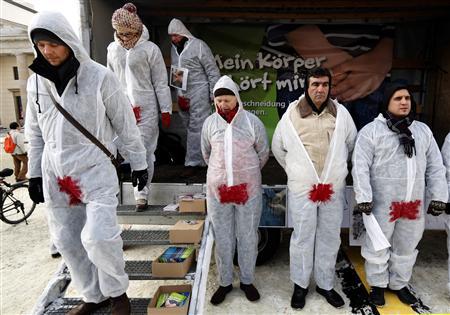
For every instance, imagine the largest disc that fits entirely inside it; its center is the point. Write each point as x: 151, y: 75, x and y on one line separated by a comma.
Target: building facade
x: 15, y: 55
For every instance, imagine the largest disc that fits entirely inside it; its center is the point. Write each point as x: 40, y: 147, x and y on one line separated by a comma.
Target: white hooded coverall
x: 446, y: 158
x: 316, y: 238
x: 143, y: 77
x: 383, y: 174
x: 203, y: 74
x: 86, y: 234
x: 235, y: 153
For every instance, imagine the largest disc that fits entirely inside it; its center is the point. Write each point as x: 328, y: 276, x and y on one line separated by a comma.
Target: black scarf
x: 400, y: 127
x: 180, y: 45
x: 60, y: 75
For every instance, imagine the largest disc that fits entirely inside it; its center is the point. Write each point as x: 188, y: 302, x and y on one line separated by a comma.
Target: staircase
x: 52, y: 300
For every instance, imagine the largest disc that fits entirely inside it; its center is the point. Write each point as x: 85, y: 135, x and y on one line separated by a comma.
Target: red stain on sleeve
x: 70, y: 187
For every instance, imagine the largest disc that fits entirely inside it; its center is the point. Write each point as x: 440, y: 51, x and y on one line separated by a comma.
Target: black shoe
x: 406, y: 296
x: 219, y: 296
x: 376, y: 296
x: 298, y: 297
x: 251, y: 293
x: 332, y: 297
x: 87, y: 308
x: 120, y: 305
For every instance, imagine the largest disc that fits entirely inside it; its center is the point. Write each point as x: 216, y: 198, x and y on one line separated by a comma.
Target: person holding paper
x: 235, y: 147
x: 446, y: 158
x: 192, y: 57
x: 393, y: 158
x: 312, y: 142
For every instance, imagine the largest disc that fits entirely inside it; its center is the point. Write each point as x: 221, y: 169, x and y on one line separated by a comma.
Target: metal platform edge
x: 63, y: 305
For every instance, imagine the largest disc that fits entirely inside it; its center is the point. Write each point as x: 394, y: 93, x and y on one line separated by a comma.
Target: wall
x: 14, y: 13
x: 439, y: 84
x: 7, y: 82
x: 102, y: 31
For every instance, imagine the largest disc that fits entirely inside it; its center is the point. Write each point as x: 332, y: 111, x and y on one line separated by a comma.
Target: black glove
x: 363, y: 207
x: 139, y: 178
x: 447, y: 210
x: 35, y: 189
x: 436, y: 207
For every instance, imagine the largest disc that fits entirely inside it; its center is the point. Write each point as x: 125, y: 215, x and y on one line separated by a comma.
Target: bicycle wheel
x: 16, y: 205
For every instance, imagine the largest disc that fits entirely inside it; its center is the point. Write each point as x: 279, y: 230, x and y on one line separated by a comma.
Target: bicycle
x: 16, y: 205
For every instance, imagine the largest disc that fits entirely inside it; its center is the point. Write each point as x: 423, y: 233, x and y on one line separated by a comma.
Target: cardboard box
x: 172, y: 269
x: 152, y: 310
x: 186, y: 232
x: 192, y: 204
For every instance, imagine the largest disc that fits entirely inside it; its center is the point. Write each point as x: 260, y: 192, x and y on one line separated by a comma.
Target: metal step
x: 160, y: 193
x: 154, y: 215
x: 64, y: 305
x: 142, y: 270
x: 145, y: 237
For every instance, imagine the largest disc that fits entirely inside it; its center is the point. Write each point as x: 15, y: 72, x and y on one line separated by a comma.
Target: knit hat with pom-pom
x: 126, y: 19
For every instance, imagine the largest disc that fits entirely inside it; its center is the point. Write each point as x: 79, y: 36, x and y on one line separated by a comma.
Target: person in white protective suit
x: 235, y: 147
x: 312, y: 142
x: 194, y: 58
x: 446, y: 158
x: 393, y: 158
x: 139, y: 65
x: 75, y: 178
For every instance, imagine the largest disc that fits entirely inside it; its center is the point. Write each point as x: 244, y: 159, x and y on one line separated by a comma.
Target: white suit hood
x: 56, y: 23
x: 177, y: 27
x: 225, y: 82
x: 235, y: 152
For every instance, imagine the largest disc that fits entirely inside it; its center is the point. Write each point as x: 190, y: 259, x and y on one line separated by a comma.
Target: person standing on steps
x: 75, y: 179
x: 139, y: 65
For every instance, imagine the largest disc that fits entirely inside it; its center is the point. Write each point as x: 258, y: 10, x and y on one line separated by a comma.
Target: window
x: 16, y: 73
x: 19, y: 106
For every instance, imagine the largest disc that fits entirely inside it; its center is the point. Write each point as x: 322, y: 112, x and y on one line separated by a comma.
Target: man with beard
x: 312, y: 142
